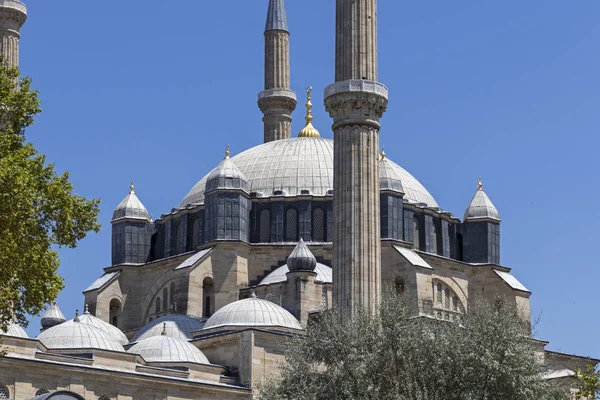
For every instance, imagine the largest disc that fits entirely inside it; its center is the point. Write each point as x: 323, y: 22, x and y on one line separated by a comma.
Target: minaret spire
x: 277, y: 101
x: 13, y: 14
x: 356, y: 102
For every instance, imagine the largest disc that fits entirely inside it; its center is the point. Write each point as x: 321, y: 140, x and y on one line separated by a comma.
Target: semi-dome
x: 131, y: 208
x: 226, y: 176
x: 252, y: 312
x: 301, y: 259
x: 75, y: 335
x: 481, y: 207
x: 163, y: 348
x: 52, y: 317
x: 15, y: 330
x: 177, y: 326
x: 291, y: 166
x: 105, y: 327
x: 324, y: 275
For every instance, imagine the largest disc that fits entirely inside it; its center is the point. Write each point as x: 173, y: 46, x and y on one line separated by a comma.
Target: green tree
x: 589, y: 383
x: 487, y: 355
x: 38, y: 210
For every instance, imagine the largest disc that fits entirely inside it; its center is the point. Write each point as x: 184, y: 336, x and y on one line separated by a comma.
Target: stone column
x: 13, y: 14
x: 277, y: 101
x: 356, y: 102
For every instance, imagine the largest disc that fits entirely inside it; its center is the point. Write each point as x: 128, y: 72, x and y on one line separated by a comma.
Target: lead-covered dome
x: 105, y: 327
x: 226, y: 176
x: 252, y: 312
x: 177, y: 325
x: 292, y: 166
x: 131, y: 208
x: 324, y: 275
x: 52, y: 317
x: 165, y: 348
x: 14, y: 330
x: 75, y: 335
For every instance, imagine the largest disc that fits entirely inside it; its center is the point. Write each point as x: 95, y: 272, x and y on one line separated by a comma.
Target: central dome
x: 294, y: 165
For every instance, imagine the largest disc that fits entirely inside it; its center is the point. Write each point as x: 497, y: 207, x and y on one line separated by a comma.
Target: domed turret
x: 252, y: 312
x: 164, y: 348
x: 389, y: 177
x: 226, y: 176
x: 107, y: 328
x: 481, y: 207
x: 301, y: 259
x: 481, y: 230
x: 52, y: 317
x: 131, y: 231
x: 75, y: 335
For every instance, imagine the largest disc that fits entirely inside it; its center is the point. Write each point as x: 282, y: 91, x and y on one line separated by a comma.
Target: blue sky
x: 507, y: 90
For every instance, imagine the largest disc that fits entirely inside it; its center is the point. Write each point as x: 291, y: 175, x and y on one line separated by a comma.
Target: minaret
x: 356, y: 102
x: 277, y: 101
x: 13, y: 14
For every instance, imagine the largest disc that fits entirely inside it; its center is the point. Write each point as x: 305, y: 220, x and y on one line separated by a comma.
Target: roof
x: 252, y: 312
x: 293, y: 166
x: 131, y: 208
x: 226, y: 176
x: 481, y: 207
x: 76, y: 335
x: 324, y: 275
x: 53, y: 316
x: 301, y: 258
x: 102, y: 281
x: 389, y: 178
x: 511, y: 281
x: 276, y: 16
x: 14, y: 330
x: 412, y: 257
x: 192, y: 260
x: 165, y: 348
x: 559, y: 373
x: 105, y: 327
x: 177, y: 325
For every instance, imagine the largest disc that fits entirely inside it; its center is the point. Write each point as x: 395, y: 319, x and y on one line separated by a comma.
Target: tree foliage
x: 38, y: 209
x: 589, y: 383
x: 488, y: 355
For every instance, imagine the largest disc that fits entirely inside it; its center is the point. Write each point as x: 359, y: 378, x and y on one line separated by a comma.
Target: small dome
x: 226, y: 176
x: 165, y: 348
x: 107, y: 328
x: 75, y: 335
x: 52, y: 317
x: 178, y: 326
x: 481, y: 207
x: 14, y: 330
x: 324, y: 275
x: 389, y: 178
x: 301, y: 259
x: 131, y: 208
x: 252, y: 312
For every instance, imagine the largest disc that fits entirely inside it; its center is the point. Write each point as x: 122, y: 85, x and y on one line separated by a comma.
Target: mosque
x: 198, y: 302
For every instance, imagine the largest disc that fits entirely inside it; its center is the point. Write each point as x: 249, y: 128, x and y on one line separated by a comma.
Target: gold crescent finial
x: 479, y: 184
x: 309, y: 130
x: 131, y: 187
x: 382, y: 155
x: 227, y: 152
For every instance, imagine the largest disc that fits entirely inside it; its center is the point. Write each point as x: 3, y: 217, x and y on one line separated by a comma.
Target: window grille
x: 264, y: 226
x: 104, y: 397
x: 157, y: 304
x: 324, y: 300
x: 165, y: 300
x: 4, y: 393
x: 291, y: 225
x: 172, y: 291
x: 318, y: 223
x: 439, y: 293
x: 41, y: 392
x: 434, y: 238
x: 416, y: 233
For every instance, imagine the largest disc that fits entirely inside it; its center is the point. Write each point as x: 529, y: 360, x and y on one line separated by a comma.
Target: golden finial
x: 382, y: 155
x: 131, y: 187
x: 309, y: 130
x: 227, y: 152
x: 479, y: 184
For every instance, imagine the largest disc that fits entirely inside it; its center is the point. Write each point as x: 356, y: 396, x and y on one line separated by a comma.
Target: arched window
x: 114, y: 321
x: 439, y: 294
x: 264, y: 226
x: 208, y: 289
x: 104, y: 397
x: 115, y: 311
x: 172, y: 292
x: 4, y: 392
x: 175, y: 238
x: 157, y: 305
x: 434, y: 238
x: 447, y: 298
x: 165, y: 306
x: 416, y: 230
x: 324, y: 302
x: 41, y: 392
x: 455, y: 303
x: 291, y: 225
x: 399, y: 284
x: 318, y: 225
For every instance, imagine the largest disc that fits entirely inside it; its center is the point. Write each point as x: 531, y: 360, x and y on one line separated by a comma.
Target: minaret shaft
x: 356, y: 102
x: 277, y: 101
x: 13, y: 14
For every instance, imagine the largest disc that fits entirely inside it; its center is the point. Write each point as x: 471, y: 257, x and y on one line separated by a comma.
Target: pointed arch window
x: 172, y: 293
x: 157, y: 305
x: 318, y: 225
x: 165, y: 304
x: 291, y: 225
x: 264, y: 226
